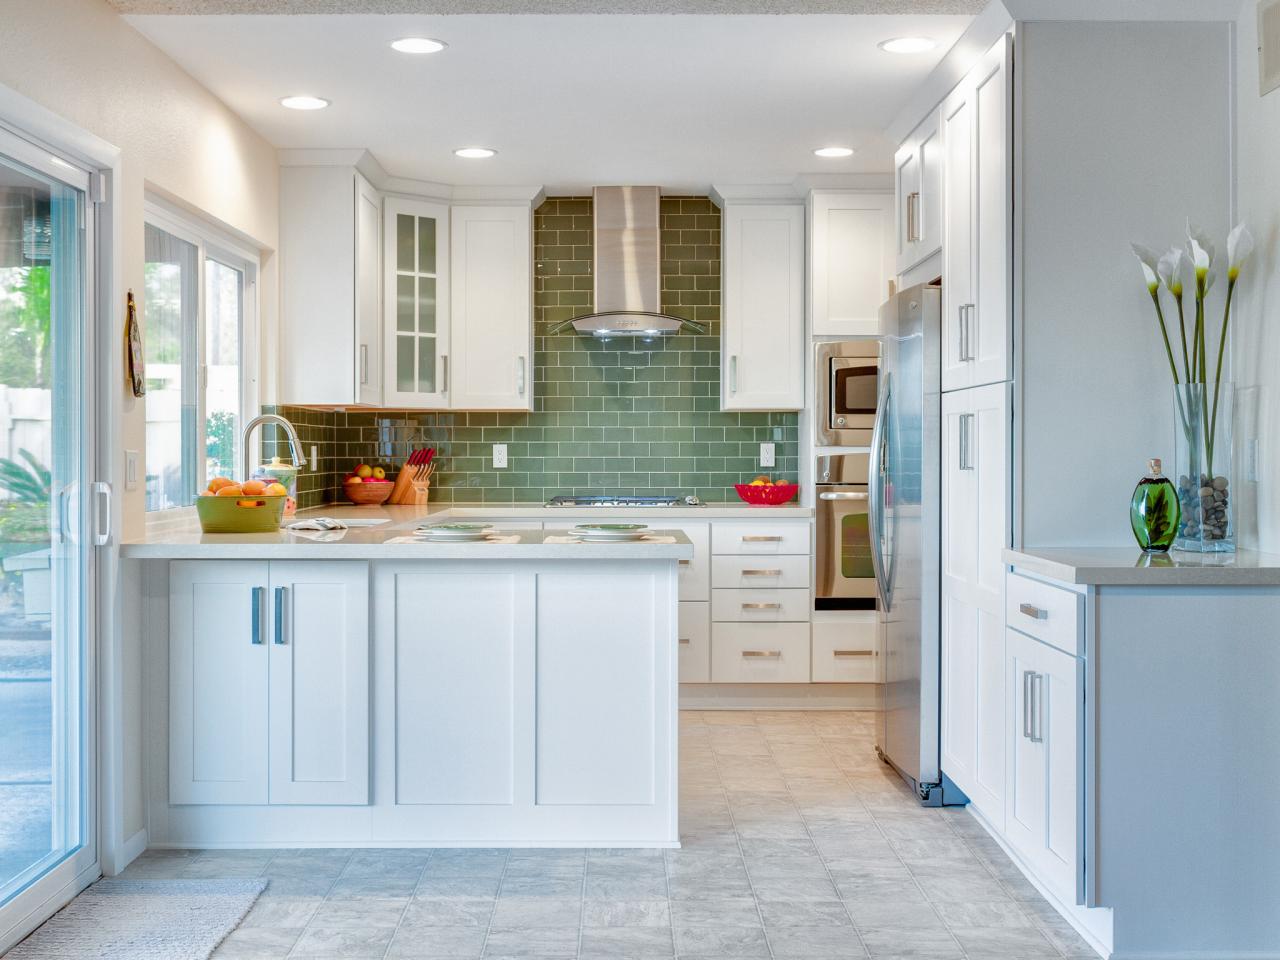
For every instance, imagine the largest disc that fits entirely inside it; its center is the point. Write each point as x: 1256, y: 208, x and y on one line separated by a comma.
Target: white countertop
x: 707, y: 511
x: 1130, y: 567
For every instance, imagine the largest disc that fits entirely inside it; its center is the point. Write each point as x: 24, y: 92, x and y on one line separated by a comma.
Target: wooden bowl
x: 368, y: 494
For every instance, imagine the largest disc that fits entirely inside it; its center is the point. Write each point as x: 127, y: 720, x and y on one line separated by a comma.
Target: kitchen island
x: 365, y: 688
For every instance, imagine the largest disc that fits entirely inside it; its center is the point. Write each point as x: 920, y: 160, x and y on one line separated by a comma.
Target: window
x: 197, y: 313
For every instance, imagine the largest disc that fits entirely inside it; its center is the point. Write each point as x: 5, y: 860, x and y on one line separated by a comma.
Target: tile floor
x: 798, y: 844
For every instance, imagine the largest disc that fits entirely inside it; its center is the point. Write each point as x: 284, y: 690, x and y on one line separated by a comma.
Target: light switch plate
x: 499, y: 456
x: 131, y: 469
x: 767, y: 458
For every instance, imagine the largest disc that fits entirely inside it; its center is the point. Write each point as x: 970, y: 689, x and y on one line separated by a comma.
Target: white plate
x: 609, y: 536
x: 455, y: 532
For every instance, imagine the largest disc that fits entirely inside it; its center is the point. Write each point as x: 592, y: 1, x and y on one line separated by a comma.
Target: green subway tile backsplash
x: 623, y: 416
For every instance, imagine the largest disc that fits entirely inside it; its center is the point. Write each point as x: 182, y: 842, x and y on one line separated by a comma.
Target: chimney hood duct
x: 627, y: 269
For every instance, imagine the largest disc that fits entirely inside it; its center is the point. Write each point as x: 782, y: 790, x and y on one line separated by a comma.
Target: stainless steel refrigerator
x: 905, y: 517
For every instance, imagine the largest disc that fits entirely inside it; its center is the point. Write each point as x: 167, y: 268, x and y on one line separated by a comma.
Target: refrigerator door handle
x: 875, y: 505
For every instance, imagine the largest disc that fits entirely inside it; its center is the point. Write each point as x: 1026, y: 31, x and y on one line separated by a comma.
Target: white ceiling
x: 570, y: 101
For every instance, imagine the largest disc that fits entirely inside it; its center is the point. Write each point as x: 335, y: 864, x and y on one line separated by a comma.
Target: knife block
x: 408, y: 491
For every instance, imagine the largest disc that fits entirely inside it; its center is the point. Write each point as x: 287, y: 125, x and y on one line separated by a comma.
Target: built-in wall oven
x: 847, y: 381
x: 846, y: 579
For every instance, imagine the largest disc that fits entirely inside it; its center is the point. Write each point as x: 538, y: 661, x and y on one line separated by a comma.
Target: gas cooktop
x: 623, y: 500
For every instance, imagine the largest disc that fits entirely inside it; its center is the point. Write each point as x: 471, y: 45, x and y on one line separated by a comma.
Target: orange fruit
x: 230, y: 490
x: 255, y: 488
x: 217, y: 483
x: 277, y: 490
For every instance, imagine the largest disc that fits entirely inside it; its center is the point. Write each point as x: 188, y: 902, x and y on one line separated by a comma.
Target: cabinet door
x: 491, y: 294
x: 1044, y: 804
x: 416, y: 304
x: 368, y: 293
x: 319, y: 687
x: 919, y: 194
x: 907, y: 197
x: 217, y: 681
x: 851, y: 260
x: 993, y: 216
x: 695, y: 642
x: 762, y: 333
x: 957, y: 237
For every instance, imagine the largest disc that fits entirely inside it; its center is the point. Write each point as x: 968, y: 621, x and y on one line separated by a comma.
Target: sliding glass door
x: 49, y: 511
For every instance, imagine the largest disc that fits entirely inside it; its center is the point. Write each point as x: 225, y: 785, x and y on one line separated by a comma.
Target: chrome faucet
x: 295, y: 442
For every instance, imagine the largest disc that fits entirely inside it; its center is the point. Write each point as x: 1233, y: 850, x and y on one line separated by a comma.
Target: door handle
x: 762, y: 573
x: 1026, y: 703
x: 364, y: 363
x: 966, y: 441
x: 101, y: 493
x: 279, y: 634
x: 1037, y: 708
x: 762, y: 606
x: 842, y: 496
x: 520, y: 377
x: 684, y: 640
x: 762, y: 654
x: 913, y: 217
x: 1032, y: 611
x: 761, y: 539
x: 444, y: 375
x: 255, y: 623
x: 733, y: 373
x: 966, y: 332
x: 842, y: 654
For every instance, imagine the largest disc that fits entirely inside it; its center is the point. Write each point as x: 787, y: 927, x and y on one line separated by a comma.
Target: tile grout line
x: 502, y: 878
x: 405, y: 909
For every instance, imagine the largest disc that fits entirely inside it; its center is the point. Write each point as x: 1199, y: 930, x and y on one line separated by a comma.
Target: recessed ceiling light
x: 418, y: 45
x: 304, y: 103
x: 908, y: 45
x: 474, y: 153
x: 833, y: 152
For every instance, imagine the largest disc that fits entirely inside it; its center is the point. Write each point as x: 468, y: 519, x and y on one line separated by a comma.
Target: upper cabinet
x: 492, y: 308
x: 762, y: 328
x: 416, y: 320
x: 977, y: 224
x: 851, y: 260
x: 330, y: 301
x: 918, y: 194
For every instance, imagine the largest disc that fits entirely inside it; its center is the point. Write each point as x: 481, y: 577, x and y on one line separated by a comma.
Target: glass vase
x: 1203, y: 435
x: 1155, y: 510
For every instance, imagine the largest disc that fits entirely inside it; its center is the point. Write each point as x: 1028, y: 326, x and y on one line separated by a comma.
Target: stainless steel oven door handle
x: 842, y: 496
x: 875, y: 483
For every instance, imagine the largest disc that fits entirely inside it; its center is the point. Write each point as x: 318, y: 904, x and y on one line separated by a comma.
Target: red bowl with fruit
x: 368, y: 493
x: 767, y: 495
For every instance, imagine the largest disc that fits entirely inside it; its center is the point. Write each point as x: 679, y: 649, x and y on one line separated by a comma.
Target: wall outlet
x: 766, y: 455
x: 499, y: 456
x: 131, y: 469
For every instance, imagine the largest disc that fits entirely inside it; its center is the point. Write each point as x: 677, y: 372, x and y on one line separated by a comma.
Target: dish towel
x: 318, y: 523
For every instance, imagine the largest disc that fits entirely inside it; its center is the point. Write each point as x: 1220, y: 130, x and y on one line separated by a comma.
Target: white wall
x: 80, y: 60
x: 1257, y: 325
x: 1126, y: 131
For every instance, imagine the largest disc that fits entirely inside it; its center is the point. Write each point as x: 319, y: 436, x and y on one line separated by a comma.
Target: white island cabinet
x: 377, y: 692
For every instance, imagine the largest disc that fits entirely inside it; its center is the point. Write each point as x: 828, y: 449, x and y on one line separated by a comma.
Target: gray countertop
x: 1129, y: 566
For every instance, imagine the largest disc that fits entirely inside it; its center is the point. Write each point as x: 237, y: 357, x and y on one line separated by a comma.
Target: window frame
x: 211, y: 243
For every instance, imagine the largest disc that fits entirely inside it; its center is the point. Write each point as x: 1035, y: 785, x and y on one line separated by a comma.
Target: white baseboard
x: 778, y: 696
x: 1093, y: 924
x: 132, y: 849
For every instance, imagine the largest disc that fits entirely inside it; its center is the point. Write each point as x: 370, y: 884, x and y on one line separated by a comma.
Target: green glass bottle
x: 1154, y: 512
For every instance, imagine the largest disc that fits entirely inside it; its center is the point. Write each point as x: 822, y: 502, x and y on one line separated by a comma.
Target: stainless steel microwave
x: 847, y: 379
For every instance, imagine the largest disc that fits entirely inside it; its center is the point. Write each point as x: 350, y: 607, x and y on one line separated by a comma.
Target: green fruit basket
x: 244, y: 514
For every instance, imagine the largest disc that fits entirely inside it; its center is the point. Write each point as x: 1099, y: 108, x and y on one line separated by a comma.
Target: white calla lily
x: 1239, y: 246
x: 1209, y: 279
x: 1199, y: 239
x: 1170, y: 268
x: 1147, y: 257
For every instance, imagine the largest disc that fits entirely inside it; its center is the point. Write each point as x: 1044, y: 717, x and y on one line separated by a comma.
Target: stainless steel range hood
x: 627, y: 268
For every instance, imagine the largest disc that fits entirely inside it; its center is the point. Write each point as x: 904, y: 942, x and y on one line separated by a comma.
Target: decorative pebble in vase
x: 1154, y: 512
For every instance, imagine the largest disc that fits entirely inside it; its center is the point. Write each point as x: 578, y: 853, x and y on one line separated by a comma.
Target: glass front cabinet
x: 416, y: 299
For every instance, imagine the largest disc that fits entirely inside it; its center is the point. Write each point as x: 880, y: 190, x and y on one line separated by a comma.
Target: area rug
x: 143, y: 920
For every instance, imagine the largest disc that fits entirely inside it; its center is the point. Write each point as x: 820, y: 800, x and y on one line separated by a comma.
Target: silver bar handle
x: 875, y: 504
x: 685, y: 563
x: 364, y: 363
x: 684, y: 640
x: 279, y: 634
x: 1032, y: 611
x: 444, y: 375
x: 255, y: 622
x: 842, y: 496
x: 1026, y: 703
x: 1037, y: 708
x: 101, y: 493
x: 841, y: 654
x: 733, y: 373
x: 520, y: 377
x: 761, y: 573
x: 966, y: 440
x: 762, y: 606
x: 761, y: 539
x: 913, y: 217
x: 762, y: 654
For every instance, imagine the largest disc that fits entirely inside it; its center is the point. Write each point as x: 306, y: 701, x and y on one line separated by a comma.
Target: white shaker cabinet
x: 975, y: 531
x: 491, y: 308
x: 851, y: 260
x: 977, y: 224
x: 918, y: 194
x: 330, y: 287
x: 268, y: 682
x: 415, y: 325
x: 762, y: 331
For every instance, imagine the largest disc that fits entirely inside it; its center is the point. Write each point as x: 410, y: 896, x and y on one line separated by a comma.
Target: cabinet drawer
x: 847, y: 652
x: 695, y: 642
x: 760, y: 537
x: 788, y: 571
x: 767, y: 606
x: 760, y: 653
x: 1048, y: 613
